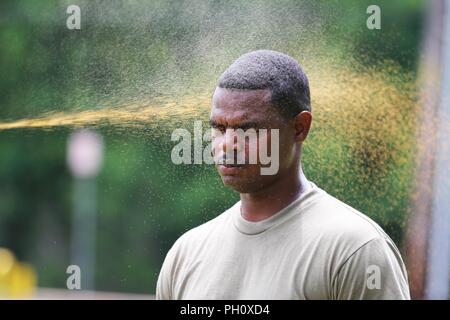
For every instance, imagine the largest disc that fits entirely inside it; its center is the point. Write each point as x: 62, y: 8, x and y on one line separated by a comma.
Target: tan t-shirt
x: 315, y: 248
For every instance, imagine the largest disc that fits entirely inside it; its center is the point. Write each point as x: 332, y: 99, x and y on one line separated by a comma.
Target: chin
x: 241, y: 185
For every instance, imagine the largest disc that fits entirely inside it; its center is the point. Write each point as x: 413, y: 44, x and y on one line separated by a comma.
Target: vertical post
x: 428, y: 202
x: 439, y: 249
x: 83, y: 229
x: 85, y: 154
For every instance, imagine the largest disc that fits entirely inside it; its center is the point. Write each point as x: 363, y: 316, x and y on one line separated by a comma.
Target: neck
x: 265, y: 203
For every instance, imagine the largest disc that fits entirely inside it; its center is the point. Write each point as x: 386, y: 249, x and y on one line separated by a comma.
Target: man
x: 286, y: 238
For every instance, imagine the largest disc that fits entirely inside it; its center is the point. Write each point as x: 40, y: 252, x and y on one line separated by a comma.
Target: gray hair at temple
x: 275, y: 71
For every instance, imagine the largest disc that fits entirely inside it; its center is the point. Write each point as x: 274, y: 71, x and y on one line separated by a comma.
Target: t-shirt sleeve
x: 373, y: 272
x: 164, y: 283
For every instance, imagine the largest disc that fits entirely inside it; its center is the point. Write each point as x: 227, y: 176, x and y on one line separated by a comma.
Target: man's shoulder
x: 339, y: 222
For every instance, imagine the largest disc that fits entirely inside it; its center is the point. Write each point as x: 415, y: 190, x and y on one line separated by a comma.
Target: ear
x: 302, y: 124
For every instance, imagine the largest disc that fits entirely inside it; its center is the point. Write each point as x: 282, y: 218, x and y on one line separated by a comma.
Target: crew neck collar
x: 252, y: 228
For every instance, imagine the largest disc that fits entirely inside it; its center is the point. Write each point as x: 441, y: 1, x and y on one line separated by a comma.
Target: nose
x: 226, y: 146
x: 231, y: 143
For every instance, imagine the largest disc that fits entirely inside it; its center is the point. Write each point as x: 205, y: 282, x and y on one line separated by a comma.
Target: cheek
x: 264, y: 143
x: 286, y: 149
x: 216, y: 143
x: 251, y: 145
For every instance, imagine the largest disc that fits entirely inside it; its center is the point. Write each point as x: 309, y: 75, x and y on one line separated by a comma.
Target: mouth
x: 230, y: 169
x: 234, y: 165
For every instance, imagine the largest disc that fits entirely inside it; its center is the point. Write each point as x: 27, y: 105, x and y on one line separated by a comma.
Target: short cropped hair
x: 276, y: 71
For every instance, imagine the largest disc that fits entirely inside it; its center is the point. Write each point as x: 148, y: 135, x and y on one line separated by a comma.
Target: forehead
x: 237, y: 105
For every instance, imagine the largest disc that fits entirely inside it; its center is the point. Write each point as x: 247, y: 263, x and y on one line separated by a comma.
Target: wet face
x: 250, y: 110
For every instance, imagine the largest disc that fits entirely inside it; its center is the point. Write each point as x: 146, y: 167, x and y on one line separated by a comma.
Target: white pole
x: 438, y: 270
x: 84, y: 155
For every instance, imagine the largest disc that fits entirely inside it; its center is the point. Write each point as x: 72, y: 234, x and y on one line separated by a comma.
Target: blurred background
x: 86, y: 116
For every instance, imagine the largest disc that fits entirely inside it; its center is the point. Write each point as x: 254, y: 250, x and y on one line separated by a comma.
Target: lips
x: 229, y: 164
x: 230, y: 169
x: 233, y: 165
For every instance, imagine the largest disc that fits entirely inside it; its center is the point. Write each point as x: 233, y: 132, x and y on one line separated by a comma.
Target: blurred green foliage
x: 135, y: 50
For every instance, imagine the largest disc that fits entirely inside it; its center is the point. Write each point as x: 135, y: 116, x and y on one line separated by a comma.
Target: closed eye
x: 217, y: 126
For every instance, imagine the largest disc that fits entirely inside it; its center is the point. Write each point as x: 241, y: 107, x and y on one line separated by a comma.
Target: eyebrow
x: 245, y: 124
x: 214, y: 124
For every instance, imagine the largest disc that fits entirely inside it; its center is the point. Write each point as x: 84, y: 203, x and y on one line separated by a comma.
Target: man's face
x: 249, y: 110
